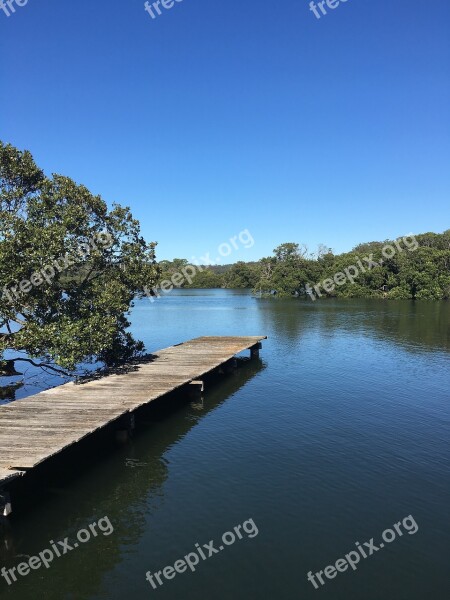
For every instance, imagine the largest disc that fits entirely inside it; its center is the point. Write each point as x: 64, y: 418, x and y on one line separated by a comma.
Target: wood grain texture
x: 40, y: 426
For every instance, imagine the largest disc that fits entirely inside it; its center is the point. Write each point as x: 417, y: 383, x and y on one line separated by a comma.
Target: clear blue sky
x: 224, y: 115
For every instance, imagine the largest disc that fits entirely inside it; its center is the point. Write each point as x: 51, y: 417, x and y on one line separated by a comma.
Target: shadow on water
x: 99, y: 478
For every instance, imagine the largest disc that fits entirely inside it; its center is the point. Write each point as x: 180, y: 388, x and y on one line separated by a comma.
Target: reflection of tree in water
x: 125, y: 485
x: 6, y: 539
x: 284, y: 318
x: 31, y: 381
x: 419, y: 325
x: 412, y: 325
x: 8, y: 391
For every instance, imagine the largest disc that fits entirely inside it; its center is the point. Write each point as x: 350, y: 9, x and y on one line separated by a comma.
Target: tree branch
x: 43, y: 366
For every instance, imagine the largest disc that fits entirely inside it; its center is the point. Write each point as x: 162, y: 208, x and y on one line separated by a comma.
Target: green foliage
x: 288, y: 271
x: 421, y: 273
x: 206, y: 278
x: 169, y: 268
x: 241, y: 275
x: 238, y: 275
x: 78, y: 314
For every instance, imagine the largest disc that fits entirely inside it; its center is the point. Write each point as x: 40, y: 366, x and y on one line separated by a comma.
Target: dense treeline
x: 416, y: 267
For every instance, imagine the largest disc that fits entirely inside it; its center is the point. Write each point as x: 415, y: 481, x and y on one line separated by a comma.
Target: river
x: 340, y: 431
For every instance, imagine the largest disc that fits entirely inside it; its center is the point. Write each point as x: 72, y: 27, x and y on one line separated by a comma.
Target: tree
x: 70, y: 270
x: 169, y: 268
x: 421, y: 272
x: 205, y: 278
x: 266, y: 270
x: 324, y: 251
x: 287, y: 251
x: 242, y: 275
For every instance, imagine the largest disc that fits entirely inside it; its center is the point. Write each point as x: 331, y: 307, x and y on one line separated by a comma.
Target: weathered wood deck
x: 38, y: 427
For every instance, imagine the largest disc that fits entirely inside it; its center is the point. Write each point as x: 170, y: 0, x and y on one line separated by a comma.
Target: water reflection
x: 127, y: 486
x: 411, y: 325
x: 345, y: 433
x: 8, y: 390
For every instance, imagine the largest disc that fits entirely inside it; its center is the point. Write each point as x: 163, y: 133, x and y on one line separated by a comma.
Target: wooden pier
x: 34, y: 429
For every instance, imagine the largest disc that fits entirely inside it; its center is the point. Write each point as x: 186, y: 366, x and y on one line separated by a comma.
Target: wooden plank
x: 6, y: 475
x: 38, y: 427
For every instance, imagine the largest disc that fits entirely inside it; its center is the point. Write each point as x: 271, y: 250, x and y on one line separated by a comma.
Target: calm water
x: 339, y: 432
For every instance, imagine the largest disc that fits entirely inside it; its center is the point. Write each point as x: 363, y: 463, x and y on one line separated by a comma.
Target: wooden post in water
x: 196, y: 389
x: 37, y: 428
x: 127, y: 424
x: 228, y: 367
x: 5, y: 504
x: 231, y: 365
x: 254, y: 350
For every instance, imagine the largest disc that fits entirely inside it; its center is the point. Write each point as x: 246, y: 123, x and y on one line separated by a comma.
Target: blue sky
x: 225, y: 115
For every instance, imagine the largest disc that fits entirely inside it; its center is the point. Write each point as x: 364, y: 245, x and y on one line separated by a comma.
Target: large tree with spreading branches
x: 70, y: 269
